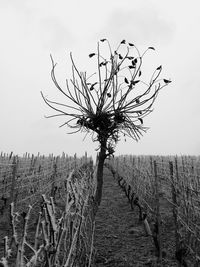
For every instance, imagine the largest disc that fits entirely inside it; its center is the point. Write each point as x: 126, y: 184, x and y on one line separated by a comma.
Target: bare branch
x: 114, y: 108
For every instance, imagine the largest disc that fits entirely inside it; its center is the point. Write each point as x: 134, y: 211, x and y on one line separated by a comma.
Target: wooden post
x: 151, y: 164
x: 158, y: 217
x: 10, y: 156
x: 32, y: 164
x: 75, y: 159
x: 183, y: 164
x: 86, y: 157
x: 174, y: 200
x: 53, y: 178
x: 13, y: 179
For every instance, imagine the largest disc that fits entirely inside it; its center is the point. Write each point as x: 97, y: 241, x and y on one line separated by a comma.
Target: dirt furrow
x: 120, y: 239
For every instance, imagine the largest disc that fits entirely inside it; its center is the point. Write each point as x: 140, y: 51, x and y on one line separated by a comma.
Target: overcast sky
x: 31, y: 30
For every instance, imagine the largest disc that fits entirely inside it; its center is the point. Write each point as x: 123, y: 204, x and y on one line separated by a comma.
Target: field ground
x: 120, y: 239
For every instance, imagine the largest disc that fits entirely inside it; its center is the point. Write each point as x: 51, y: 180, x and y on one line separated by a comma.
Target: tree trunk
x: 100, y: 165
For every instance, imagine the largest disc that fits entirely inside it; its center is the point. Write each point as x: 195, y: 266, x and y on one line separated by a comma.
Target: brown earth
x: 120, y: 238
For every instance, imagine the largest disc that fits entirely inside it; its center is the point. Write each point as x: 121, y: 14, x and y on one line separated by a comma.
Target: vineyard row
x: 167, y: 192
x: 47, y: 213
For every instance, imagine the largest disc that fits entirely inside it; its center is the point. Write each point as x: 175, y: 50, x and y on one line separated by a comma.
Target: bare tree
x: 112, y: 101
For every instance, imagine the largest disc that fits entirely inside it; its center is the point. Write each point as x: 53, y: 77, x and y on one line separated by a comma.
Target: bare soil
x: 120, y: 238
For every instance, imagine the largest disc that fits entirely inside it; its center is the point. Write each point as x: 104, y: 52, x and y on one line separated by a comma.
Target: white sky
x: 32, y: 29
